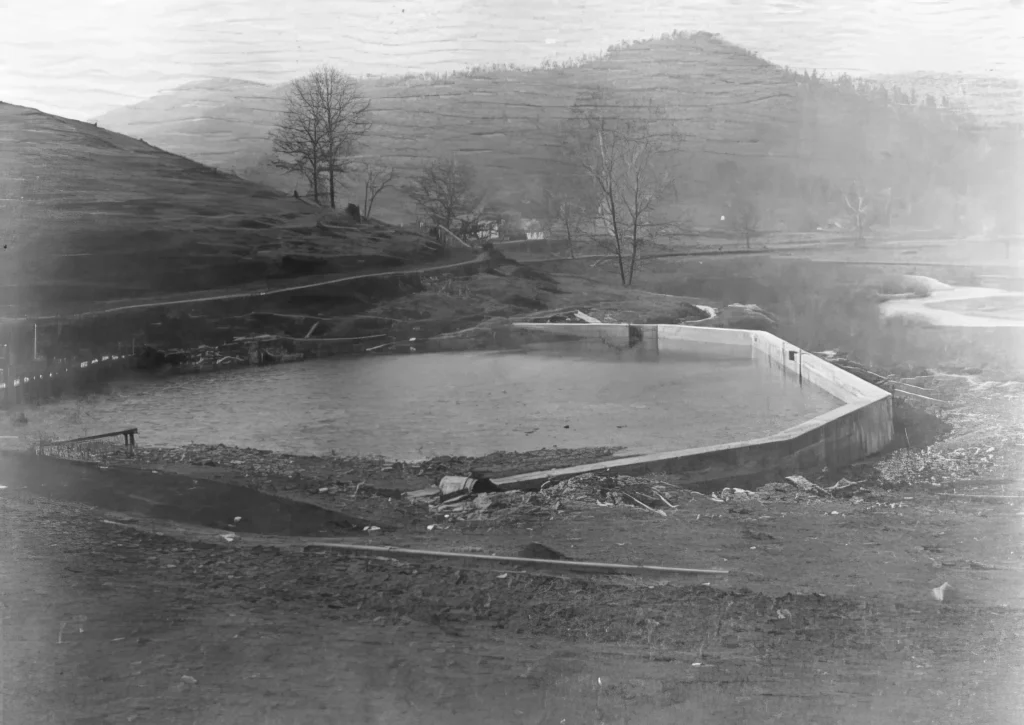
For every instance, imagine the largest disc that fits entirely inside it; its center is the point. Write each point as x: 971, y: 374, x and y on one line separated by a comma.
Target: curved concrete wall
x: 860, y: 427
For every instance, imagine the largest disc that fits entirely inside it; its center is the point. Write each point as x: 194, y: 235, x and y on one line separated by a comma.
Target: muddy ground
x: 826, y: 614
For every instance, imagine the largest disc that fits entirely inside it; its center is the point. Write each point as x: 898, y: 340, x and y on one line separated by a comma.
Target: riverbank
x: 962, y: 307
x: 410, y: 311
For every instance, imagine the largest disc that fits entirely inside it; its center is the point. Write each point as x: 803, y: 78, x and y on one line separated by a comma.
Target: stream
x: 962, y: 307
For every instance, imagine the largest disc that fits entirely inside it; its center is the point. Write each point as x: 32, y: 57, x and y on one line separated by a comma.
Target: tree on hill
x: 618, y: 153
x: 325, y: 117
x: 377, y: 176
x: 858, y: 207
x: 745, y: 217
x: 446, y: 192
x: 568, y: 213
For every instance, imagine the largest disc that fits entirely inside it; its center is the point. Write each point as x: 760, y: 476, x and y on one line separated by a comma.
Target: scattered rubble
x: 605, y: 490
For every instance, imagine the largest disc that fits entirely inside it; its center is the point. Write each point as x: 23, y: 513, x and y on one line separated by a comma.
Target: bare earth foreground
x: 826, y: 615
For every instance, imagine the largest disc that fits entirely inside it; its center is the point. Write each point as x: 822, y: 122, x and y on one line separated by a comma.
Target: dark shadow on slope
x: 173, y: 497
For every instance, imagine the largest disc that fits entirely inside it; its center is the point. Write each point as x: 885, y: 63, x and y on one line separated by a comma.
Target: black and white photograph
x: 550, y: 362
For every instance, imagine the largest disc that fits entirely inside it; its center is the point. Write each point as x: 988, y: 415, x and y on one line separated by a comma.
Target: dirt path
x: 217, y: 296
x: 105, y: 624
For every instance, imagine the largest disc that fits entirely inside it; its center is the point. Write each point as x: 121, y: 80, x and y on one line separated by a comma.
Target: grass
x: 87, y: 214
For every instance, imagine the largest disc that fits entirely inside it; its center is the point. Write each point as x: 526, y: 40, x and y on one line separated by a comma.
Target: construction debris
x: 804, y: 485
x: 606, y: 489
x: 939, y: 592
x: 457, y: 487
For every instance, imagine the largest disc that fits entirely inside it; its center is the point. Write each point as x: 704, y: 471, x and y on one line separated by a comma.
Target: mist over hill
x: 795, y: 141
x: 994, y: 101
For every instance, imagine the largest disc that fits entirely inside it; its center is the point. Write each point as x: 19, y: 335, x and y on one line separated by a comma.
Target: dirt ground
x: 825, y: 615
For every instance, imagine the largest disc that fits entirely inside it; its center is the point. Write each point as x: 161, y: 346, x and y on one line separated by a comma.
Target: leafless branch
x: 446, y: 193
x: 377, y: 177
x: 619, y: 158
x: 325, y: 117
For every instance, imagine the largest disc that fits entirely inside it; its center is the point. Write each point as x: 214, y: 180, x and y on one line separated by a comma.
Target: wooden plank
x: 127, y: 431
x: 923, y: 397
x: 592, y: 566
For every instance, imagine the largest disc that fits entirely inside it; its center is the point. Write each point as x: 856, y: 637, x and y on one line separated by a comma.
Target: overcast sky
x: 79, y: 58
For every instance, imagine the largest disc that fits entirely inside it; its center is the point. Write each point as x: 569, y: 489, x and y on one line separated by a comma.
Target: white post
x: 35, y: 341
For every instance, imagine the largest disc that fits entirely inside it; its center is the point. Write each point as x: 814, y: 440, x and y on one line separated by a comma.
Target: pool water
x: 566, y: 395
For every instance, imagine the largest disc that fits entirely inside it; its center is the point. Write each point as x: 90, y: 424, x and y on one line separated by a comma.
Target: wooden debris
x: 587, y: 566
x: 918, y: 395
x: 641, y: 503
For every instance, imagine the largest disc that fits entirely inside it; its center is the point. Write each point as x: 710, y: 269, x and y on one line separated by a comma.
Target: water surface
x: 417, y: 406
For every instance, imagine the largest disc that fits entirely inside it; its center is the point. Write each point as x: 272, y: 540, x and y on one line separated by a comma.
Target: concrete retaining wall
x: 705, y: 335
x: 611, y: 333
x: 861, y: 426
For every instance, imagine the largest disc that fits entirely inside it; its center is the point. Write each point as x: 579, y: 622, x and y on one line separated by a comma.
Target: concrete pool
x: 861, y: 426
x: 566, y: 394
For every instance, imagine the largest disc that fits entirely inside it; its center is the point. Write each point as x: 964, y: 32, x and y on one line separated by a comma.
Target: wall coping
x: 856, y: 394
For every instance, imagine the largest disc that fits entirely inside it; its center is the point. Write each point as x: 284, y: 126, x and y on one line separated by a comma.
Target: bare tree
x: 377, y: 177
x: 618, y: 155
x: 745, y: 217
x: 445, y: 192
x: 325, y: 117
x: 887, y: 211
x: 567, y: 215
x: 858, y: 207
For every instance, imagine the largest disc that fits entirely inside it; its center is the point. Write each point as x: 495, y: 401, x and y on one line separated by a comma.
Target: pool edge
x: 861, y: 427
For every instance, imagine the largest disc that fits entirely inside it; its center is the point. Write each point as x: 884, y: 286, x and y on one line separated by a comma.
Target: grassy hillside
x: 88, y: 215
x: 504, y: 120
x: 794, y: 141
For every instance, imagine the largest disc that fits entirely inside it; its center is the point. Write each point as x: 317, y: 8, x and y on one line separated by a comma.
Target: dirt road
x: 251, y: 291
x: 105, y: 623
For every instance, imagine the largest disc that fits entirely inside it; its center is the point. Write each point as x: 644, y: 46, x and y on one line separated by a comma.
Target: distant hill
x: 793, y: 140
x: 504, y: 120
x: 992, y: 100
x: 221, y: 122
x: 87, y: 214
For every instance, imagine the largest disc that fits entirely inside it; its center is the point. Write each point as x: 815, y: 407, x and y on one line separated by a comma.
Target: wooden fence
x: 37, y: 380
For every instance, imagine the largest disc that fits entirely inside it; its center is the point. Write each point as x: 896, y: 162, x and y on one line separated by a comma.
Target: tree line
x: 619, y: 171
